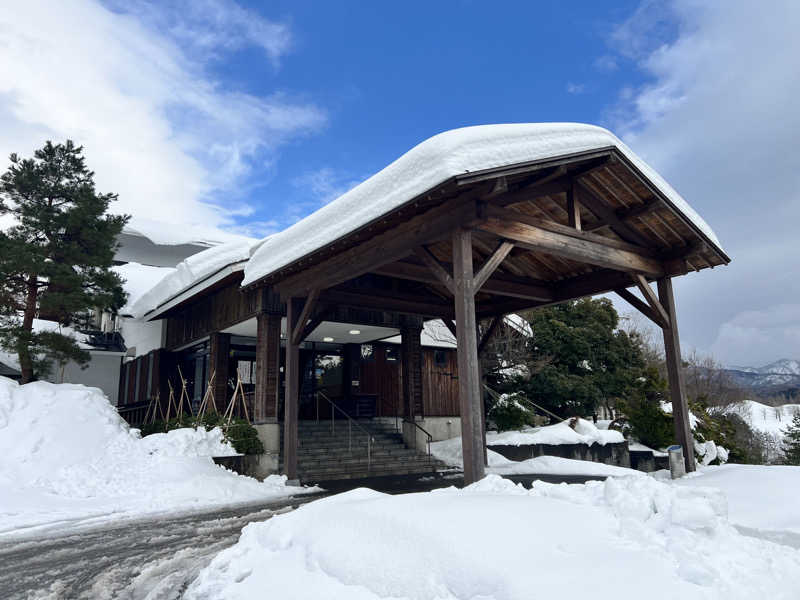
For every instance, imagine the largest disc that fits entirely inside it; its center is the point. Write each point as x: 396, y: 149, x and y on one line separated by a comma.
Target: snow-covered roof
x: 139, y: 279
x: 435, y: 334
x: 172, y: 234
x: 191, y: 272
x: 433, y: 162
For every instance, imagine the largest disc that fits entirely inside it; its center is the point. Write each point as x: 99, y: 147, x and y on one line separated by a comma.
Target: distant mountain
x: 781, y: 378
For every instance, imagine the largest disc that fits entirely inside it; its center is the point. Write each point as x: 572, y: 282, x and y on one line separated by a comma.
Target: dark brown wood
x: 451, y: 326
x: 641, y: 306
x: 573, y: 208
x: 441, y: 274
x: 652, y: 299
x: 219, y: 347
x: 491, y: 264
x: 469, y: 383
x: 387, y: 247
x: 268, y: 353
x: 403, y: 304
x: 292, y: 395
x: 501, y: 285
x: 677, y: 391
x: 607, y: 214
x: 579, y: 248
x: 411, y: 368
x: 305, y: 315
x: 601, y: 154
x: 487, y: 335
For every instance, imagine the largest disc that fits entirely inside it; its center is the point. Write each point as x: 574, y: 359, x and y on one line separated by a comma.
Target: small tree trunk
x: 23, y: 351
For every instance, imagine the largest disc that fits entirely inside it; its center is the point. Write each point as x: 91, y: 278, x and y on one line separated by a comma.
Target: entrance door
x: 321, y: 371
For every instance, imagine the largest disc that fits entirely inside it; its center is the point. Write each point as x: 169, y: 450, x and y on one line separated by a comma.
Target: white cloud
x: 718, y: 117
x: 157, y: 128
x: 751, y: 335
x: 575, y: 88
x: 326, y: 184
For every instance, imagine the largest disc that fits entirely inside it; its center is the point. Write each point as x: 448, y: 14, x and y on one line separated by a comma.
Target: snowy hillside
x: 766, y: 419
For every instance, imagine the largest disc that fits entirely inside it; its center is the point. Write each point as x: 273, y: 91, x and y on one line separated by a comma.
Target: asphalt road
x: 154, y: 559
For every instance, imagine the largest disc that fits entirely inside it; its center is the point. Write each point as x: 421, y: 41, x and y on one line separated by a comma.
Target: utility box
x: 677, y: 466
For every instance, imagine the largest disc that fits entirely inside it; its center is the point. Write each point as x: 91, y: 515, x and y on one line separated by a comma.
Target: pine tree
x: 791, y: 441
x: 55, y: 259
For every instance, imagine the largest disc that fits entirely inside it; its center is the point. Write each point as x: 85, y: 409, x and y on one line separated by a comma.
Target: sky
x: 216, y: 118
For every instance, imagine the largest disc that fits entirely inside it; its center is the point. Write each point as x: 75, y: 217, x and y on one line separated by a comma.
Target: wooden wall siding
x: 440, y: 384
x: 220, y: 309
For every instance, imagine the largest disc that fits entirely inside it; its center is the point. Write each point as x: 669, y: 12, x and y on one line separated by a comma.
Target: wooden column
x: 411, y: 365
x: 268, y: 353
x: 219, y: 348
x: 672, y: 347
x: 469, y: 384
x: 294, y: 307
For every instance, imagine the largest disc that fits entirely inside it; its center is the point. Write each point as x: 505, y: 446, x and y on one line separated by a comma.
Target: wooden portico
x: 485, y: 243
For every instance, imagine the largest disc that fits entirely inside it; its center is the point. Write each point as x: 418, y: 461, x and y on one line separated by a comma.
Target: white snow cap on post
x: 433, y: 162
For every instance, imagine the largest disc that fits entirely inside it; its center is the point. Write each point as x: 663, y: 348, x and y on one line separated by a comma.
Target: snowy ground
x: 628, y: 537
x: 68, y: 460
x: 449, y: 452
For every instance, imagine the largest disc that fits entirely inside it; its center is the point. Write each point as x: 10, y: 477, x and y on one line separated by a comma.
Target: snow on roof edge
x: 431, y: 163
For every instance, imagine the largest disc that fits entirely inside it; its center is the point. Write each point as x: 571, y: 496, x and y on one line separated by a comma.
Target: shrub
x: 509, y: 412
x: 240, y: 433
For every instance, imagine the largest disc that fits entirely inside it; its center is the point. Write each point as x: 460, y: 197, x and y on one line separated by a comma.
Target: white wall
x: 102, y: 372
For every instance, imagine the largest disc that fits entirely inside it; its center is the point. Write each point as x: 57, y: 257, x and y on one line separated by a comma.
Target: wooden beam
x: 578, y: 248
x: 305, y: 314
x: 292, y: 395
x: 580, y: 158
x: 403, y: 304
x: 626, y: 214
x: 386, y: 247
x: 436, y: 267
x: 469, y: 376
x: 606, y: 214
x: 651, y: 298
x: 642, y: 307
x: 487, y: 335
x: 491, y: 264
x: 501, y: 285
x: 677, y: 391
x: 451, y: 326
x: 573, y: 208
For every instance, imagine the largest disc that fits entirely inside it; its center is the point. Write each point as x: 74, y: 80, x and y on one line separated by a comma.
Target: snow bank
x: 584, y: 432
x: 433, y: 162
x: 759, y: 497
x: 66, y: 455
x: 624, y: 538
x: 449, y: 452
x: 766, y: 419
x: 190, y: 271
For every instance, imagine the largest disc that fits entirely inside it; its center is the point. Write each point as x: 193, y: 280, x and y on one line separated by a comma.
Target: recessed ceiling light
x: 327, y: 339
x: 355, y: 331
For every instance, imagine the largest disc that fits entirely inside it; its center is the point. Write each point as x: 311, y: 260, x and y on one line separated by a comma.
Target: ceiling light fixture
x: 355, y: 331
x: 327, y: 339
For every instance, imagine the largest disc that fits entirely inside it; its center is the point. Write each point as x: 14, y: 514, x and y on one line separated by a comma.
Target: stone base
x: 610, y: 454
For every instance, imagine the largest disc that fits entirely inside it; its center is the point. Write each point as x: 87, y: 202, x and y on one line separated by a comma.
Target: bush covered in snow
x: 509, y: 412
x: 238, y: 432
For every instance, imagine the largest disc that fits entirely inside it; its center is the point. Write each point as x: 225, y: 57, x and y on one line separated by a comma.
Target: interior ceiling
x: 340, y: 332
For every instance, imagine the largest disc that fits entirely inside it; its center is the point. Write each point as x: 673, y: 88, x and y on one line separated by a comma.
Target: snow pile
x: 666, y: 408
x: 190, y: 271
x: 760, y: 497
x: 709, y: 452
x: 66, y: 455
x: 449, y: 452
x: 580, y: 432
x: 433, y: 162
x: 624, y: 538
x: 188, y: 442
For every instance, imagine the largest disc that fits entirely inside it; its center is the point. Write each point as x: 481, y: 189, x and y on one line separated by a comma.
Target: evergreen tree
x: 55, y: 260
x: 791, y: 442
x: 587, y: 359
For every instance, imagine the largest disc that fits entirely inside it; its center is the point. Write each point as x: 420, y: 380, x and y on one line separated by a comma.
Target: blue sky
x: 218, y: 118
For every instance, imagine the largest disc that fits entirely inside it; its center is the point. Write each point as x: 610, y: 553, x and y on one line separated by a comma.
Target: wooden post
x: 218, y: 359
x: 294, y: 307
x: 469, y: 383
x: 268, y: 351
x: 672, y: 347
x: 411, y: 365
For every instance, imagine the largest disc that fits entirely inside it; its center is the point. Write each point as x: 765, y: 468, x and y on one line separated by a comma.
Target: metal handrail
x: 423, y: 430
x: 350, y: 422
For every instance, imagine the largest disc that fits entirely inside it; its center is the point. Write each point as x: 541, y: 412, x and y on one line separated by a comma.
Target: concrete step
x: 363, y: 462
x: 308, y: 477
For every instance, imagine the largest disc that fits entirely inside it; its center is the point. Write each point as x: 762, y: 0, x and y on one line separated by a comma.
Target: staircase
x: 324, y: 455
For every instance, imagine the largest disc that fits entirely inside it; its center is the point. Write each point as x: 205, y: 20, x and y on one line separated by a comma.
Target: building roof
x: 459, y: 153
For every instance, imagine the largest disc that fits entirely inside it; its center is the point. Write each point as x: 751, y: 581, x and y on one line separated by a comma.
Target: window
x: 391, y: 353
x: 440, y: 358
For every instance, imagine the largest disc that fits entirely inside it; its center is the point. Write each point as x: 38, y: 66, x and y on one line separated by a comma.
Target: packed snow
x: 66, y: 456
x: 759, y: 497
x: 191, y: 271
x: 433, y: 162
x: 628, y: 537
x: 766, y: 419
x: 449, y: 452
x: 583, y: 432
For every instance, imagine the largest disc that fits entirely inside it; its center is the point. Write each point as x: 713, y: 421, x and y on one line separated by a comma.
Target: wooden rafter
x: 490, y: 264
x: 305, y: 315
x: 604, y: 213
x: 641, y: 306
x: 651, y: 298
x: 427, y: 257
